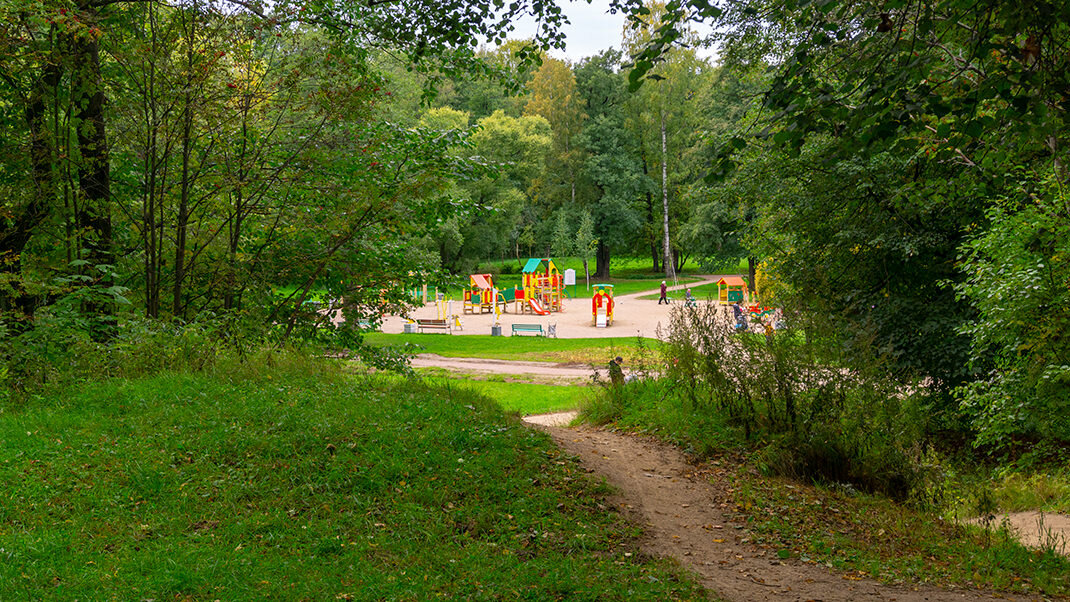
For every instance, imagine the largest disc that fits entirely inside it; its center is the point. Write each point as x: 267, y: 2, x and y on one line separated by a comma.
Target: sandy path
x: 683, y: 518
x: 1038, y: 530
x: 567, y: 372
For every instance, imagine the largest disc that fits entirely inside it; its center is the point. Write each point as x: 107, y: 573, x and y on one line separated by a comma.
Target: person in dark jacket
x: 663, y: 298
x: 616, y: 373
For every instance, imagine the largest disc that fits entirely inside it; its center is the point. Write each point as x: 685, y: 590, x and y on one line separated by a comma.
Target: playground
x: 631, y: 316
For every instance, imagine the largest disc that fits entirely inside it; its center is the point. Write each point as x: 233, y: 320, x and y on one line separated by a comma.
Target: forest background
x: 895, y: 168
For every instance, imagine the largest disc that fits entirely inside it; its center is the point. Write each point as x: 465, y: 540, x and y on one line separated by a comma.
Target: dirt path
x: 475, y: 365
x: 684, y: 518
x: 1037, y: 530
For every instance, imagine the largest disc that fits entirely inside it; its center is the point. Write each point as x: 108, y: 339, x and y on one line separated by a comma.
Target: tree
x: 189, y: 182
x: 586, y: 244
x: 620, y: 181
x: 1015, y: 274
x: 554, y: 97
x: 664, y: 116
x: 493, y: 207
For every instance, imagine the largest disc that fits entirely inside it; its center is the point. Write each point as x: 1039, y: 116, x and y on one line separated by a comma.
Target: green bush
x: 786, y: 396
x: 1016, y: 274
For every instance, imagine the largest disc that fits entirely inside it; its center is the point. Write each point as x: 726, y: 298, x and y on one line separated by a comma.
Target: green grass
x: 1048, y: 492
x: 521, y: 397
x: 872, y: 535
x: 535, y: 349
x: 703, y: 292
x: 302, y: 484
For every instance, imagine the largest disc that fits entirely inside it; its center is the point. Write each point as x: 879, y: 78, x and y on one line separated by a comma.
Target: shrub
x: 788, y: 396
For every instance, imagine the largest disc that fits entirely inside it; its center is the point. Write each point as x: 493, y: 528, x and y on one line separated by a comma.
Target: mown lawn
x: 702, y: 293
x: 512, y: 394
x: 301, y: 484
x: 532, y: 349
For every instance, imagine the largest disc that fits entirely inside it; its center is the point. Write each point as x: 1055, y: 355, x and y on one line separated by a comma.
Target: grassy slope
x: 523, y: 398
x: 299, y: 485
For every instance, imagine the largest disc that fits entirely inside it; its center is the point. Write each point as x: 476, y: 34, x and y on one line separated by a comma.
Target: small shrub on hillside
x: 787, y: 395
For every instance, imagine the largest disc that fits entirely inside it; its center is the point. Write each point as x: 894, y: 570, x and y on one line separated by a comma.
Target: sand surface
x: 632, y: 316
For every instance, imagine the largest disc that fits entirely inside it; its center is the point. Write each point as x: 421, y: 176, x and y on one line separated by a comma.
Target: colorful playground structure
x: 541, y: 292
x: 481, y: 296
x: 543, y: 287
x: 732, y: 289
x: 602, y: 305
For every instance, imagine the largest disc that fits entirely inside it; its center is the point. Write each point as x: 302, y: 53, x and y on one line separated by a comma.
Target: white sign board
x: 570, y: 277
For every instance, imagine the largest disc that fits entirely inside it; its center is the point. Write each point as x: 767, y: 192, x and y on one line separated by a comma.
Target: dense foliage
x: 892, y: 170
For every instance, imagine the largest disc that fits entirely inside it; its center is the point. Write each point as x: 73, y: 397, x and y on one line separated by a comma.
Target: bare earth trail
x: 681, y: 510
x: 573, y: 373
x: 684, y: 518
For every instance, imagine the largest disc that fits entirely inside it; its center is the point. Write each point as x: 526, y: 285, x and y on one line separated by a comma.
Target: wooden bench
x: 534, y: 329
x: 422, y: 325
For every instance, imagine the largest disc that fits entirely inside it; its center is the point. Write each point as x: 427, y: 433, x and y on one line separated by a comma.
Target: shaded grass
x: 872, y: 535
x: 300, y: 484
x: 1048, y: 492
x: 533, y: 349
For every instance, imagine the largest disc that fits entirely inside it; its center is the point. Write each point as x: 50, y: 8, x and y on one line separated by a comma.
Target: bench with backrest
x: 422, y: 325
x: 534, y: 329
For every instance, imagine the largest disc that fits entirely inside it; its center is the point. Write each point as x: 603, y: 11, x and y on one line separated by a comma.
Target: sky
x: 592, y: 29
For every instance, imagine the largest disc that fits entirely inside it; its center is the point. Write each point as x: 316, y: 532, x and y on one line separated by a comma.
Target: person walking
x: 663, y: 298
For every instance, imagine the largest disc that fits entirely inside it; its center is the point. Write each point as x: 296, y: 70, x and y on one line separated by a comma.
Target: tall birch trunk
x: 670, y: 267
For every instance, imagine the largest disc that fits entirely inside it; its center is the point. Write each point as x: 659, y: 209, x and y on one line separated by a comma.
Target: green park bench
x: 534, y: 329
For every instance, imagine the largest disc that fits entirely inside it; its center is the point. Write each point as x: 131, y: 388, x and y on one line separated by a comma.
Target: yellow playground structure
x: 480, y: 297
x: 543, y: 287
x: 731, y: 289
x: 602, y: 305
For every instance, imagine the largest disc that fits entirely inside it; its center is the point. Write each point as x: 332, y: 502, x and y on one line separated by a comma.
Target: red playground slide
x: 537, y: 307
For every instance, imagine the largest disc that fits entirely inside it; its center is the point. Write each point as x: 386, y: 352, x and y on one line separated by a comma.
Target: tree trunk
x: 670, y: 271
x: 601, y: 258
x: 182, y: 219
x: 15, y: 237
x: 233, y: 243
x: 655, y: 253
x: 149, y: 192
x: 752, y: 267
x: 93, y: 215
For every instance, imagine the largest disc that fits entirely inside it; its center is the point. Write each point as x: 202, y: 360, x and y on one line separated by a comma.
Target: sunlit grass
x: 298, y: 484
x: 521, y: 397
x: 537, y: 349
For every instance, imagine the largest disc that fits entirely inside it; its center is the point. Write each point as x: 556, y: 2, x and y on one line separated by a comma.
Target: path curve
x: 684, y: 518
x: 475, y: 365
